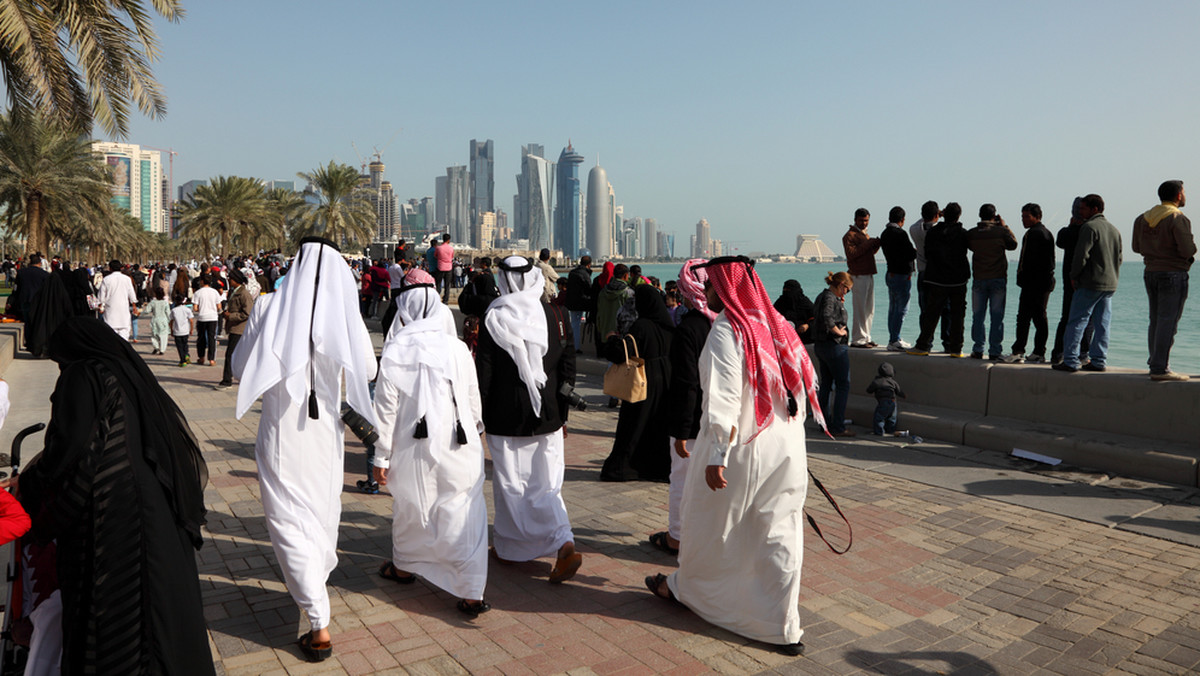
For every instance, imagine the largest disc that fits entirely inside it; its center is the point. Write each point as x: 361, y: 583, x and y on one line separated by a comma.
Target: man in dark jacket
x: 947, y: 273
x: 579, y: 297
x: 524, y: 411
x: 989, y: 241
x: 1035, y: 276
x: 1068, y: 235
x: 901, y: 256
x: 1095, y: 271
x: 30, y: 279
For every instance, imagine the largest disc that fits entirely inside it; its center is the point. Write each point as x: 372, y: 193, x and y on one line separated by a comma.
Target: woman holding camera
x: 831, y: 342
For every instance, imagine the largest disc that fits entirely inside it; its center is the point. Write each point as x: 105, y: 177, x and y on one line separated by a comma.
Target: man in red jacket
x: 860, y: 261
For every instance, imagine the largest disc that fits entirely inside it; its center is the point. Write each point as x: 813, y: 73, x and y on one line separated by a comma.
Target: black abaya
x: 120, y: 485
x: 641, y: 450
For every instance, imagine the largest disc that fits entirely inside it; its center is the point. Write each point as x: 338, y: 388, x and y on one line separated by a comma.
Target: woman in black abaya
x: 120, y: 484
x: 642, y: 448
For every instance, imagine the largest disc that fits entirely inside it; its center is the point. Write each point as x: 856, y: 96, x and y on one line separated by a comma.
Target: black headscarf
x: 51, y: 306
x: 651, y: 306
x: 168, y: 445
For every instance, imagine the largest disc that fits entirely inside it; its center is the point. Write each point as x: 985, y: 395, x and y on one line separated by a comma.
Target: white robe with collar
x: 741, y: 548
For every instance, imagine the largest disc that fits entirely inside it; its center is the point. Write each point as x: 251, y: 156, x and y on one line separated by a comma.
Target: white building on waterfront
x: 810, y: 249
x: 137, y: 182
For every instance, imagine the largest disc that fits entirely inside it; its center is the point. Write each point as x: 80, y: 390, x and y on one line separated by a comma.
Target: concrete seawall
x: 1118, y: 421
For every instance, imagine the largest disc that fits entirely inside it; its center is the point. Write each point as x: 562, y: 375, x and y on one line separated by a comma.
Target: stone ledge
x: 11, y: 336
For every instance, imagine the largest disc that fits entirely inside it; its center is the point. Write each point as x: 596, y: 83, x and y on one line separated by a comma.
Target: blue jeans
x: 885, y: 416
x: 987, y: 298
x: 834, y: 359
x: 1167, y: 292
x: 1094, y: 307
x: 899, y: 291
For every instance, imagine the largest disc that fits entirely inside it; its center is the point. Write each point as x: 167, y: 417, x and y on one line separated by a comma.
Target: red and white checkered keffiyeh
x: 776, y: 361
x: 691, y: 286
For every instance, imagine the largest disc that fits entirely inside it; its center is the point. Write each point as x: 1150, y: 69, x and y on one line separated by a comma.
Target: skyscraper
x: 458, y: 197
x: 650, y: 241
x: 383, y: 198
x: 136, y: 182
x: 703, y: 240
x: 441, y: 203
x: 483, y: 184
x: 533, y: 205
x: 568, y: 207
x: 599, y: 214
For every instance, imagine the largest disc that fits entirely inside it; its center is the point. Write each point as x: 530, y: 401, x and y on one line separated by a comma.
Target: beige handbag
x: 627, y: 381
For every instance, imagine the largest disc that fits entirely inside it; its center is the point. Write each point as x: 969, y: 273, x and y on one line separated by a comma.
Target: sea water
x: 1127, y: 332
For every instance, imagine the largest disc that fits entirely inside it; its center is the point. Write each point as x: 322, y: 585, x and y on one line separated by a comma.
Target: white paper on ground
x: 1037, y: 457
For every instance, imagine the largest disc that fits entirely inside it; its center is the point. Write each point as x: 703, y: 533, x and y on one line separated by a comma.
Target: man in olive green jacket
x: 1095, y: 271
x: 237, y: 313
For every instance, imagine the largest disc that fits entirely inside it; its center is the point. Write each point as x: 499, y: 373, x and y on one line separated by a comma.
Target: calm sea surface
x: 1127, y: 342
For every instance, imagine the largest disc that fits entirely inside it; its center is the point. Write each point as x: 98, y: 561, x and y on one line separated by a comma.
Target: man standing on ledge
x: 860, y: 260
x: 1095, y: 270
x: 899, y: 252
x: 1035, y: 277
x: 1163, y: 236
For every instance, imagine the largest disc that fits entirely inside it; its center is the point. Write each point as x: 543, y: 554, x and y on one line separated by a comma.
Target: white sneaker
x: 1168, y: 376
x: 898, y: 346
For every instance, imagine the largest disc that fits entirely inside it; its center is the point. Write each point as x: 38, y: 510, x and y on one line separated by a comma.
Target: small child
x: 183, y: 322
x: 886, y: 389
x: 160, y: 321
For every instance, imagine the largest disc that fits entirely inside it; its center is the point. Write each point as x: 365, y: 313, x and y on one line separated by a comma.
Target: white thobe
x: 300, y: 474
x: 742, y: 547
x: 116, y: 295
x: 527, y: 477
x: 439, y: 516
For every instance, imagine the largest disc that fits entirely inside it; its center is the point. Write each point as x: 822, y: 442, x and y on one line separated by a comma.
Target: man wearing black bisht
x: 641, y: 448
x: 120, y: 484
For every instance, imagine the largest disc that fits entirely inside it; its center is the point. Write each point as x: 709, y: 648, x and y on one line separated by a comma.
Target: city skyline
x: 769, y: 121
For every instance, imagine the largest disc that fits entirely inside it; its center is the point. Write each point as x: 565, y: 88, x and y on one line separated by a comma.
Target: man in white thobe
x: 742, y: 545
x: 117, y: 296
x: 297, y: 346
x: 525, y: 353
x: 429, y: 452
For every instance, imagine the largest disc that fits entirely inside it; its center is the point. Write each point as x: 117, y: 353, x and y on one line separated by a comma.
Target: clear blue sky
x: 769, y: 119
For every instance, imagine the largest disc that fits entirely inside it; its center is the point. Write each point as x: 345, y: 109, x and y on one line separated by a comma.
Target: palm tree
x: 75, y: 61
x: 343, y: 212
x: 228, y: 206
x: 288, y: 206
x: 51, y: 181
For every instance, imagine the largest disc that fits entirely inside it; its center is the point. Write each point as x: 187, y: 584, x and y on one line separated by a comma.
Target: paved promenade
x: 963, y: 562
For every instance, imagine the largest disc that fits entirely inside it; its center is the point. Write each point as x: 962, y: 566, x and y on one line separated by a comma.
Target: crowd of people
x: 727, y: 380
x: 950, y: 259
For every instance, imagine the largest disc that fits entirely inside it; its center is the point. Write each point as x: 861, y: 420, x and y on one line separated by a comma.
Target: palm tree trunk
x: 33, y: 219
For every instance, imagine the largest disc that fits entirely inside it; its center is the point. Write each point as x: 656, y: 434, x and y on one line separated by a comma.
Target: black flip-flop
x: 654, y: 582
x: 473, y: 609
x: 315, y: 653
x: 388, y: 572
x: 662, y: 541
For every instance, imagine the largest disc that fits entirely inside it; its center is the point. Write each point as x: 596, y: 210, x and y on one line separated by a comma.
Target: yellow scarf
x: 1160, y: 212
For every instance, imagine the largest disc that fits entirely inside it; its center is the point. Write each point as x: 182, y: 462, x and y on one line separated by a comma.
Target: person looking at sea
x: 1163, y: 236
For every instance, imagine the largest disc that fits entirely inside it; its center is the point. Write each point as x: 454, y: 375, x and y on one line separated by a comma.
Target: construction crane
x: 377, y: 156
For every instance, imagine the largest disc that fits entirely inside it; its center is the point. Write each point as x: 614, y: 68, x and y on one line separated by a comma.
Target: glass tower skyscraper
x: 568, y: 211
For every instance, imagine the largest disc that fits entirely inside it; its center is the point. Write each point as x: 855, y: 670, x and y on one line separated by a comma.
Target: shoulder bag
x: 627, y: 381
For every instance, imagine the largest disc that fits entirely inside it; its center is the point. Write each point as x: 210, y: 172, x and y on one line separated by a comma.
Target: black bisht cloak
x: 120, y: 484
x: 642, y: 448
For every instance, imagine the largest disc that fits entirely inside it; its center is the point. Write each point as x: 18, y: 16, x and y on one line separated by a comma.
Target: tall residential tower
x: 568, y: 207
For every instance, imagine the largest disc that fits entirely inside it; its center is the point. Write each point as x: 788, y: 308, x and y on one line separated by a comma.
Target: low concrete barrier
x: 11, y: 338
x: 1119, y: 421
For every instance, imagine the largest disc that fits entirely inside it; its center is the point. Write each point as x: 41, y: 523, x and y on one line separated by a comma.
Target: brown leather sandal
x: 315, y: 652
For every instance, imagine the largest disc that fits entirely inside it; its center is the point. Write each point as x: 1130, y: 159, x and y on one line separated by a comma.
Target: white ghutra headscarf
x: 517, y: 322
x: 314, y: 312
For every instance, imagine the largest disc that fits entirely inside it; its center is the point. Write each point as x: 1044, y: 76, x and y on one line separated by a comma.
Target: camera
x: 567, y: 391
x: 359, y: 425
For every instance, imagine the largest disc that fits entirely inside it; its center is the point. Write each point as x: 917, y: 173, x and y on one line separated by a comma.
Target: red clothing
x: 14, y: 522
x: 381, y: 279
x: 860, y: 251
